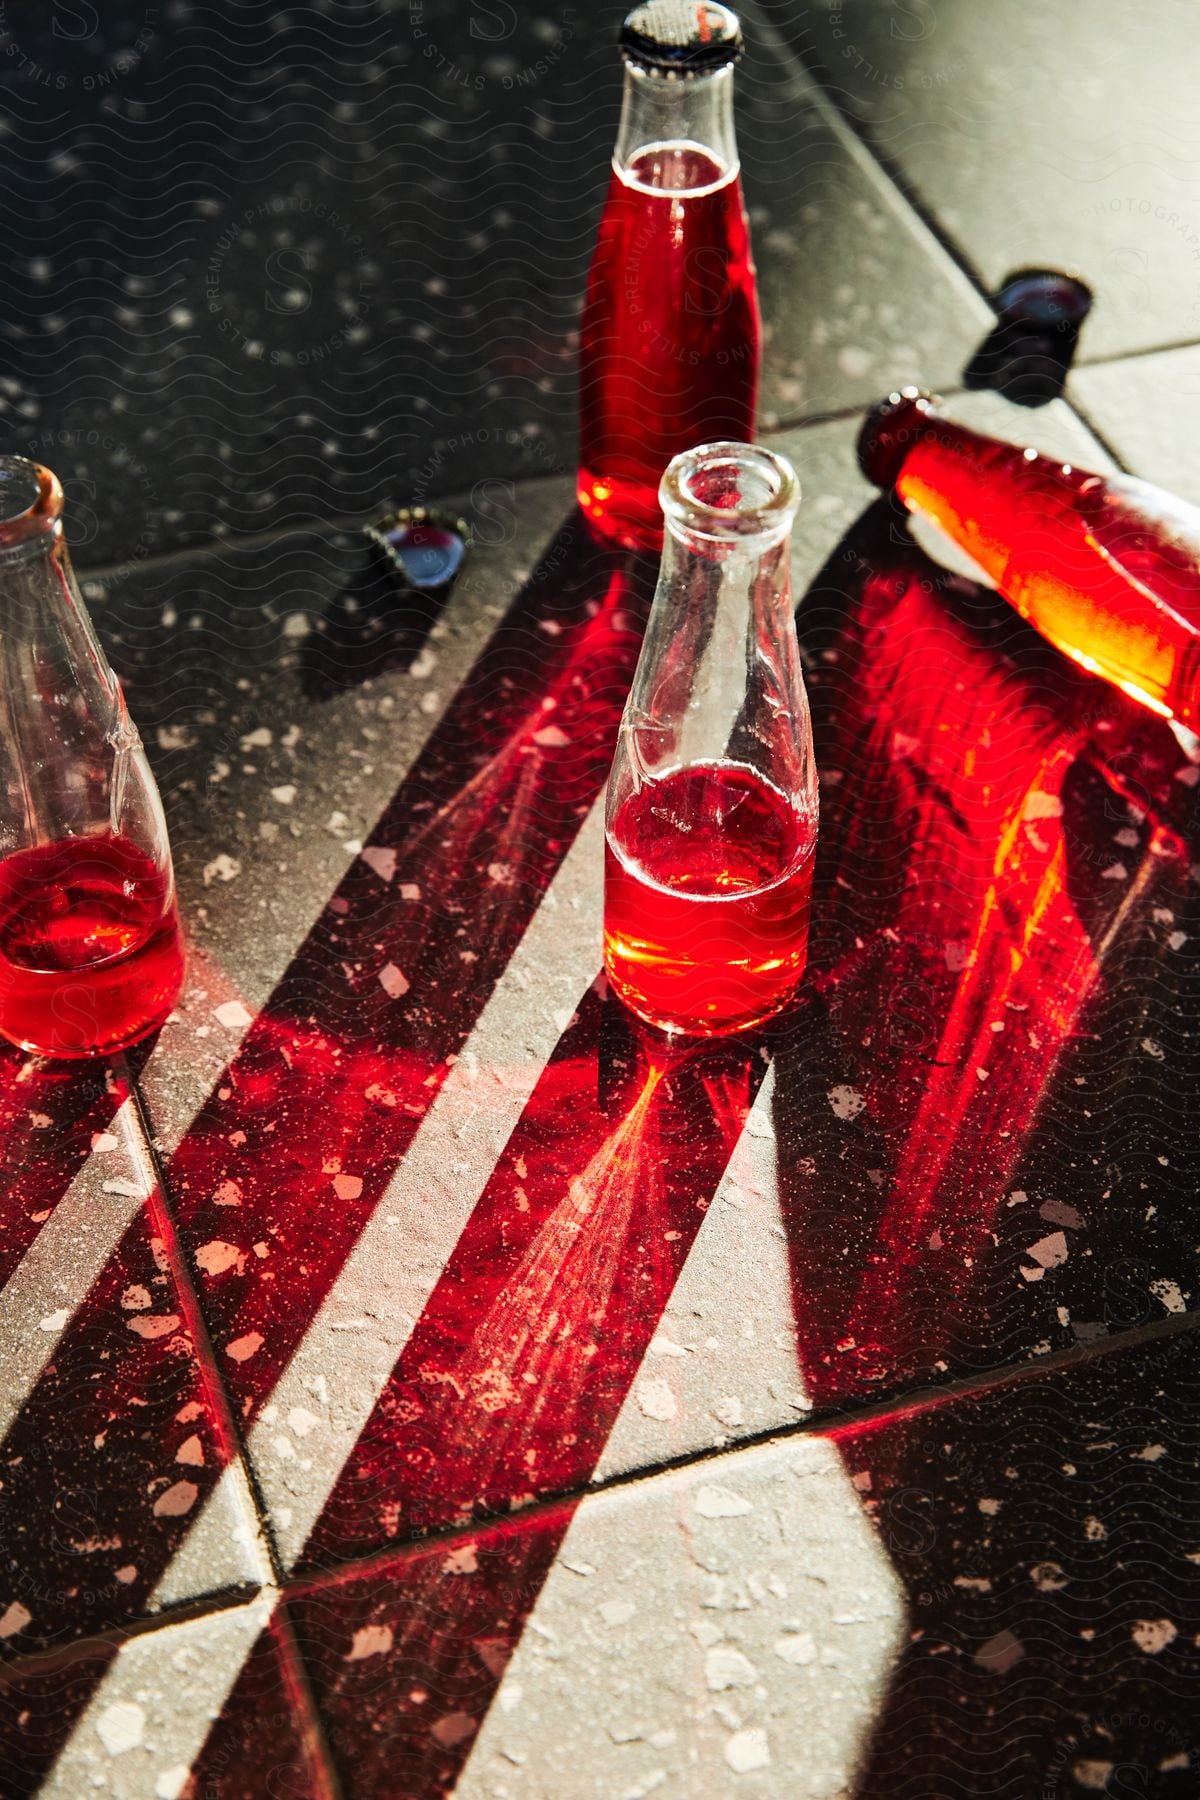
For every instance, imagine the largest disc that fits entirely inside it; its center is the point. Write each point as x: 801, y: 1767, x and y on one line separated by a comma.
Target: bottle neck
x: 661, y: 115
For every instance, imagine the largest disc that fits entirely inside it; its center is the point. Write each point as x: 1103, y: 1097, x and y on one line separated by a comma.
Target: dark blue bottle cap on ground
x: 426, y: 548
x: 681, y: 37
x: 1044, y: 300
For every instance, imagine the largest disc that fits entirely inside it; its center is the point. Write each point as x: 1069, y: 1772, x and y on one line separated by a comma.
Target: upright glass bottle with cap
x: 671, y: 338
x: 712, y: 802
x: 91, y: 957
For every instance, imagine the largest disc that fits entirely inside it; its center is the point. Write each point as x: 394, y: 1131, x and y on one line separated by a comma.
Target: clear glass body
x: 91, y: 956
x: 671, y: 337
x: 711, y: 822
x: 1105, y: 566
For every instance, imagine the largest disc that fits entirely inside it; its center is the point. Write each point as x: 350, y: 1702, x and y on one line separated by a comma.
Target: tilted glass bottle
x: 712, y: 802
x: 1105, y: 566
x: 670, y: 339
x: 91, y: 957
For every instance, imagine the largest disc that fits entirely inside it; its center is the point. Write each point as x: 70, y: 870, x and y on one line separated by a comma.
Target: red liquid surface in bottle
x: 708, y: 886
x: 91, y: 956
x: 671, y: 336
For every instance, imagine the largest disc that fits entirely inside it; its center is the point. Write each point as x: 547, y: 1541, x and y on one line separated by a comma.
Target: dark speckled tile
x: 1048, y: 1541
x: 360, y: 271
x: 1064, y: 137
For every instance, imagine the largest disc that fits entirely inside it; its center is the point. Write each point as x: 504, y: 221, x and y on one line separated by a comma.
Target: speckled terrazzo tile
x: 727, y: 1629
x: 133, y: 1721
x: 1047, y: 1542
x: 374, y: 1227
x: 1145, y: 406
x: 1062, y: 138
x: 112, y: 1433
x: 360, y: 271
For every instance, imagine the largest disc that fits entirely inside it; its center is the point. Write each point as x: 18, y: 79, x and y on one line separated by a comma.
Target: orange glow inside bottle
x: 1105, y: 566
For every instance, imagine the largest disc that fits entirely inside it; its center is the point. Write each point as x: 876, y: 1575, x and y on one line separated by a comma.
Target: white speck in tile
x: 393, y: 981
x: 120, y: 1727
x: 216, y: 1256
x: 154, y: 1325
x: 370, y: 1640
x: 714, y: 1502
x: 662, y: 1345
x: 136, y: 1298
x: 1094, y: 1529
x: 348, y: 1187
x: 1000, y: 1652
x: 1057, y: 1212
x: 990, y: 1507
x: 169, y: 1785
x: 725, y: 1667
x: 1168, y: 1293
x: 617, y: 1612
x: 1050, y: 1251
x: 462, y: 1561
x: 129, y: 1189
x: 14, y: 1618
x: 748, y: 1750
x: 728, y: 1411
x: 177, y: 1500
x: 233, y: 1015
x: 1092, y: 1774
x: 301, y: 1421
x: 656, y: 1400
x: 796, y: 1648
x: 103, y: 1141
x: 1048, y: 1577
x: 284, y: 794
x: 381, y: 860
x: 846, y: 1102
x: 1153, y: 1635
x: 243, y: 1348
x: 1115, y: 872
x: 191, y: 1452
x: 455, y: 1728
x: 551, y: 737
x: 222, y: 868
x: 1151, y: 1453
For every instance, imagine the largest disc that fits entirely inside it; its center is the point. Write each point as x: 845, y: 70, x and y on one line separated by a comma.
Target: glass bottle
x: 670, y: 339
x: 711, y: 823
x: 1105, y: 566
x: 91, y: 956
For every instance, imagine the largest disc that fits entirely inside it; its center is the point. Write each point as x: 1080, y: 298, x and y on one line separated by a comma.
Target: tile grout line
x: 908, y: 1404
x: 162, y: 1215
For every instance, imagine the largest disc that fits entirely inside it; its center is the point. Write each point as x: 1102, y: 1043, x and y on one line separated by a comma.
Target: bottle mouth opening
x: 730, y: 491
x: 31, y: 502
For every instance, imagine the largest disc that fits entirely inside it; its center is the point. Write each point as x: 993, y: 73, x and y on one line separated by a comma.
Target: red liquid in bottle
x: 708, y: 885
x: 91, y: 957
x: 671, y: 337
x: 1105, y: 566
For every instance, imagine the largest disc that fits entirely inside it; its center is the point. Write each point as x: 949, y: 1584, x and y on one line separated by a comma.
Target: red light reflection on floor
x: 509, y: 1388
x: 512, y: 1380
x: 304, y: 1131
x: 967, y: 914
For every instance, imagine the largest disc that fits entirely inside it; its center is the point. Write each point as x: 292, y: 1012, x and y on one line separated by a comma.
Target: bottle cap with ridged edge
x: 681, y: 37
x: 425, y: 547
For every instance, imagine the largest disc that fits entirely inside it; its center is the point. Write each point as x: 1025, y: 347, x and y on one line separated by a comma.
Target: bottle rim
x: 727, y: 492
x: 31, y: 503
